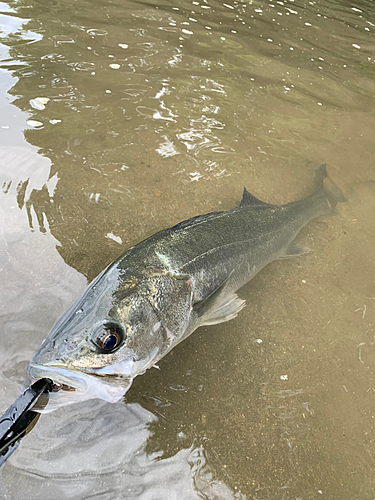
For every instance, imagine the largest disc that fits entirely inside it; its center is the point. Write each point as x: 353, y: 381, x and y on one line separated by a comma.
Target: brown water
x: 158, y: 112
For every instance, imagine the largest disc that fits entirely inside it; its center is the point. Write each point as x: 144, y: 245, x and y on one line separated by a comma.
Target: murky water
x: 121, y: 118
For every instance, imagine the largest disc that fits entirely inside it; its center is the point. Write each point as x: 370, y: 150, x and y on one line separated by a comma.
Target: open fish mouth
x: 73, y: 386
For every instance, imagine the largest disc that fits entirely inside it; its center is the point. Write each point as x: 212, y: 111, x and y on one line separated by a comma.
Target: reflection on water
x: 119, y: 119
x: 86, y: 459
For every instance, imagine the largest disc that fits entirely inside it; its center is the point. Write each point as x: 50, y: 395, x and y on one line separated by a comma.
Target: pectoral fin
x: 219, y: 307
x: 228, y: 310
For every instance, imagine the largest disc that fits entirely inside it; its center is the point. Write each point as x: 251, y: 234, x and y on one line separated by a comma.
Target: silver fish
x: 164, y: 288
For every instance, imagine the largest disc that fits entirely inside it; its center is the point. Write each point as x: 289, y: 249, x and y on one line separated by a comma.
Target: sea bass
x: 162, y: 289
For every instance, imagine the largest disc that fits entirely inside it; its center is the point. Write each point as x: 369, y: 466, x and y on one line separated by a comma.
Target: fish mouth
x: 72, y: 386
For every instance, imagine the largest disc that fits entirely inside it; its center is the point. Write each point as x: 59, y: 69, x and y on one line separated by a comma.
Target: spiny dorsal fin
x: 249, y: 199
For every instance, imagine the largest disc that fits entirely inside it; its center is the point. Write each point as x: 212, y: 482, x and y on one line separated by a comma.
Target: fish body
x: 164, y: 288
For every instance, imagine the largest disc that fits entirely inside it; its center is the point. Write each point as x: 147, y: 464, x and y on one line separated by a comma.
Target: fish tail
x: 325, y: 184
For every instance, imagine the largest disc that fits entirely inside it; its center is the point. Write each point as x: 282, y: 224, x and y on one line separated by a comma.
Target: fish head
x: 114, y: 332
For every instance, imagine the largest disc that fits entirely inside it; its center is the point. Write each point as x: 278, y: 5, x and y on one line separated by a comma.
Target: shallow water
x: 157, y: 112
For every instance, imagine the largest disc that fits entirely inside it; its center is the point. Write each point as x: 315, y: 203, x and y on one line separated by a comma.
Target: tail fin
x: 333, y: 194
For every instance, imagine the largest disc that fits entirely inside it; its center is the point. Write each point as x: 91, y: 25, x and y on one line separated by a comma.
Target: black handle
x: 19, y: 418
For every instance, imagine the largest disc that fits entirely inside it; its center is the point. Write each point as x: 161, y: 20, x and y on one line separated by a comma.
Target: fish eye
x: 109, y: 338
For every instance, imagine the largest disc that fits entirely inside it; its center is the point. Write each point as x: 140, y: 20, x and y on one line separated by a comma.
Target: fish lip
x: 120, y: 369
x: 59, y: 374
x: 86, y: 386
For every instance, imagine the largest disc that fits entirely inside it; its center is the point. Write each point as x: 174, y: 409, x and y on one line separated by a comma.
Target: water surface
x: 121, y: 118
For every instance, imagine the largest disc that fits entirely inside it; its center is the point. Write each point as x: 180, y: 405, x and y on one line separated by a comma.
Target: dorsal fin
x: 194, y: 220
x: 249, y: 199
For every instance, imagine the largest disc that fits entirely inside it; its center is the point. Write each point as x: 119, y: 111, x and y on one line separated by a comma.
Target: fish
x: 162, y: 289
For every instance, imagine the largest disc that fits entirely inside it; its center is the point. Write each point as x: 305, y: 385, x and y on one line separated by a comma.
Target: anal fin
x: 293, y: 250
